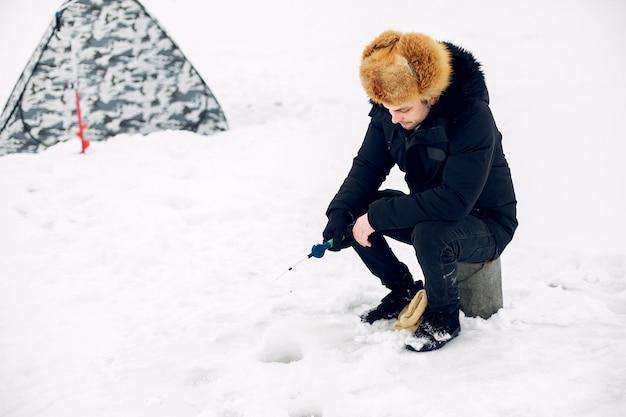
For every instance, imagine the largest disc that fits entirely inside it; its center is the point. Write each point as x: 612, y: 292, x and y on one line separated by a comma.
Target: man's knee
x: 431, y: 239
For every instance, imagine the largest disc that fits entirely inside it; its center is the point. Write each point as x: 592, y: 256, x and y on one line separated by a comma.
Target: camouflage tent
x: 132, y: 78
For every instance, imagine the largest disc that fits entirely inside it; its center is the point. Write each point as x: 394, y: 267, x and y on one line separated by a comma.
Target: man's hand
x: 362, y: 231
x: 338, y: 229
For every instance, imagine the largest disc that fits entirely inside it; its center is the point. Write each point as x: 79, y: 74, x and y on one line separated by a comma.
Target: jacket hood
x: 467, y: 85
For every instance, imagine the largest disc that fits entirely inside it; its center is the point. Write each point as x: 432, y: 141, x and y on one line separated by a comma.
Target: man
x: 431, y: 118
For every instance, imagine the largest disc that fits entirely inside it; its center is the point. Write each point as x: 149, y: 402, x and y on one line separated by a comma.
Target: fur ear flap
x: 430, y: 61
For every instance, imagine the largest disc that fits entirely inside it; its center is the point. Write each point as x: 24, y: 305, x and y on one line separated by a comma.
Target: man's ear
x: 433, y: 100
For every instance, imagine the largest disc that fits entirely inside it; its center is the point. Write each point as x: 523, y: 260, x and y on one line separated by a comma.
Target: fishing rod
x: 317, y: 251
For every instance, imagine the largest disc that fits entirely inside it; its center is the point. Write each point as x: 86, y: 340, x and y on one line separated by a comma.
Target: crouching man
x: 430, y: 116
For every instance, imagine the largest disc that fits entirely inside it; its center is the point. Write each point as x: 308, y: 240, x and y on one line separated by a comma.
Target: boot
x: 436, y: 329
x: 392, y: 304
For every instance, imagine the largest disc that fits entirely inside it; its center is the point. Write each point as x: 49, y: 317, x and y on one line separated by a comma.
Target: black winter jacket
x: 454, y: 164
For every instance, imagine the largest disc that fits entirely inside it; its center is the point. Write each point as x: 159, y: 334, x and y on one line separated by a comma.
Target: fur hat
x: 397, y: 68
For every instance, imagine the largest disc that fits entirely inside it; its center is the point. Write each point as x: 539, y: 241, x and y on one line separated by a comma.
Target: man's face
x: 412, y: 114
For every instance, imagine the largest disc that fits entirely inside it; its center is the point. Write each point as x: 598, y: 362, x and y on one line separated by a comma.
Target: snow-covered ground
x: 145, y: 278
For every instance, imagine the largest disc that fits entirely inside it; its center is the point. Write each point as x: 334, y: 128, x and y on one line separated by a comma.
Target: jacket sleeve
x: 465, y: 173
x: 369, y: 169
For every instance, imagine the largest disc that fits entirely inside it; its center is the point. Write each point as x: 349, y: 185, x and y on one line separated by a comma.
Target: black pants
x: 438, y: 246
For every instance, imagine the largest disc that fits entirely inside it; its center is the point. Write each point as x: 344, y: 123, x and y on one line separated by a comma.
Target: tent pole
x: 81, y: 126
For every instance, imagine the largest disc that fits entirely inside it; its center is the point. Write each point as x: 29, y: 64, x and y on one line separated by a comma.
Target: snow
x: 147, y: 277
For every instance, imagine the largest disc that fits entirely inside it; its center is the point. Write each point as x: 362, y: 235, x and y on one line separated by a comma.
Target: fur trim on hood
x: 467, y: 84
x: 398, y: 68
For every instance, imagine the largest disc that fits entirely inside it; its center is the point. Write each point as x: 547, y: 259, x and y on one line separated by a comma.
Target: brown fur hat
x: 397, y: 68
